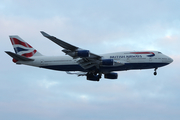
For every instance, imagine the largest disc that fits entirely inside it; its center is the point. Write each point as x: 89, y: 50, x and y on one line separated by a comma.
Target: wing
x: 77, y: 73
x: 87, y: 59
x: 61, y: 43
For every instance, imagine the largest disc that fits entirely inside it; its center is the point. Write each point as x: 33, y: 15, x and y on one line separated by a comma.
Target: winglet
x: 45, y: 34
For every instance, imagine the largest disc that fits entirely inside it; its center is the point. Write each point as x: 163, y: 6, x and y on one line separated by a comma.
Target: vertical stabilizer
x: 23, y: 48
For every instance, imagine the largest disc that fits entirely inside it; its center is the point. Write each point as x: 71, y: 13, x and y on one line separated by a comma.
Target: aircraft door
x: 150, y: 59
x: 42, y: 62
x: 128, y: 59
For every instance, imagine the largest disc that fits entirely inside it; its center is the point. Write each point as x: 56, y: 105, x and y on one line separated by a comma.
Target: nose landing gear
x: 155, y: 73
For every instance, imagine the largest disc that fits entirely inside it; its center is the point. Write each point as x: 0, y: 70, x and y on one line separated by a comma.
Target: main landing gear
x: 155, y: 73
x: 93, y: 76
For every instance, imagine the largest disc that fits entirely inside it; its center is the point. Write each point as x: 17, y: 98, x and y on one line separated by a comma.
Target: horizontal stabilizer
x: 18, y: 57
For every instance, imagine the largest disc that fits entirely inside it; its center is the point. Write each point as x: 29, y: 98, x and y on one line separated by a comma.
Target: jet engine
x: 107, y: 61
x: 82, y: 53
x: 111, y: 75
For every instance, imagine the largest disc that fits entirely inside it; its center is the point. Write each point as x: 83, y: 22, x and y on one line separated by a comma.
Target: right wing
x: 86, y: 62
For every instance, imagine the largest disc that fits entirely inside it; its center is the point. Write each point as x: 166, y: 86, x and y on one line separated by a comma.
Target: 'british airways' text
x: 127, y: 56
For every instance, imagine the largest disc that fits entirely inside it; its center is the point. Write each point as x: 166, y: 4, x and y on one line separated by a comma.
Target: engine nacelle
x: 107, y: 61
x: 111, y: 76
x: 83, y: 53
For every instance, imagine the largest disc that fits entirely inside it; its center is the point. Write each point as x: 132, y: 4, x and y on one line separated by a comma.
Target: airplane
x: 82, y: 62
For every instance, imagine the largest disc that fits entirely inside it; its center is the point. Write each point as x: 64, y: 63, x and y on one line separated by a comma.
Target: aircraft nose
x: 170, y: 60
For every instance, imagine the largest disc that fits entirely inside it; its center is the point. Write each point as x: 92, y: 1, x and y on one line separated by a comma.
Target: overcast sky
x: 102, y: 26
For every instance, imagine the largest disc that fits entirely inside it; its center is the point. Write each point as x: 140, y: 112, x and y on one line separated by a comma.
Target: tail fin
x: 23, y: 48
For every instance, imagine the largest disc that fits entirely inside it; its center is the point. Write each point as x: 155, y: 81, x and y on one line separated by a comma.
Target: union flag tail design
x: 23, y: 48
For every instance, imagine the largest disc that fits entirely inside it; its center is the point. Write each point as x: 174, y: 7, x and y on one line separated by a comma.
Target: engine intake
x: 107, y: 61
x: 111, y: 76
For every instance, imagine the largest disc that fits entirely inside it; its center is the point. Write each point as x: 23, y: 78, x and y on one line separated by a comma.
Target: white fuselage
x: 122, y: 61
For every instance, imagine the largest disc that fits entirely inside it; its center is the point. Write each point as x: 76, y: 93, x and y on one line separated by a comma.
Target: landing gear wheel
x: 93, y: 76
x: 155, y: 73
x: 89, y: 75
x: 100, y: 74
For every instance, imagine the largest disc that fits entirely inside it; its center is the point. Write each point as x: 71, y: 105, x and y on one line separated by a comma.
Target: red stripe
x: 29, y: 54
x: 14, y: 60
x: 12, y: 41
x: 142, y: 53
x: 15, y: 41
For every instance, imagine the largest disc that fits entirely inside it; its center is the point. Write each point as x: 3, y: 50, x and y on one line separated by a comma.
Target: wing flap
x: 86, y: 63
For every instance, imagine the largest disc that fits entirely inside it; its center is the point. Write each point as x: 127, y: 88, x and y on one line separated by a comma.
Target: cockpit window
x: 159, y: 52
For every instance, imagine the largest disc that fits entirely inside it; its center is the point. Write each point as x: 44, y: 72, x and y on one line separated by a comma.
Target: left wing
x: 87, y: 59
x: 77, y: 73
x: 61, y: 43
